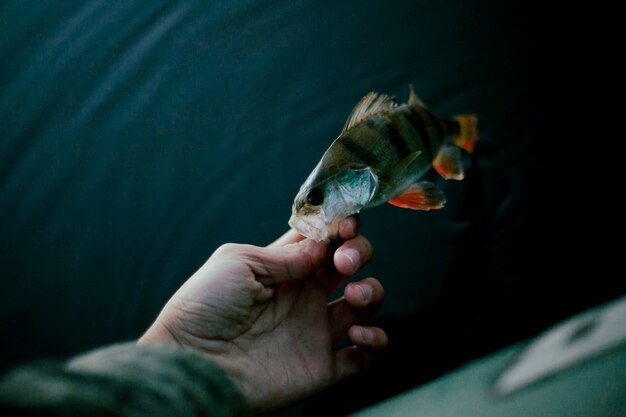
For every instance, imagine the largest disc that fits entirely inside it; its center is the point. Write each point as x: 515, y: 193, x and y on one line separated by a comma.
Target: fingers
x: 365, y: 293
x: 372, y: 338
x: 351, y: 256
x: 362, y: 299
x: 293, y: 257
x: 368, y: 344
x: 349, y: 227
x: 360, y: 302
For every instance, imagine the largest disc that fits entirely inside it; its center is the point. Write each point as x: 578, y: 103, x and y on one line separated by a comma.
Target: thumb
x: 292, y: 262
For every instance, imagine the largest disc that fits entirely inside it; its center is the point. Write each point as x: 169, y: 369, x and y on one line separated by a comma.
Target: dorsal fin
x: 414, y: 100
x: 371, y: 104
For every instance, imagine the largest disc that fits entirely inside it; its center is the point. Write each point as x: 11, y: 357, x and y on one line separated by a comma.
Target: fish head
x: 324, y: 200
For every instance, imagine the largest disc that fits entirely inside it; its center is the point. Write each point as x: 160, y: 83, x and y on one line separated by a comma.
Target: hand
x: 262, y: 314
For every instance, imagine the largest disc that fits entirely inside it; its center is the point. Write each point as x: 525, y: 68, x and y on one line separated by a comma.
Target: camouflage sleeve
x: 123, y: 380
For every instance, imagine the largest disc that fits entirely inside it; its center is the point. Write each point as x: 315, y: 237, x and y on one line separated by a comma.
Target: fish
x: 380, y: 155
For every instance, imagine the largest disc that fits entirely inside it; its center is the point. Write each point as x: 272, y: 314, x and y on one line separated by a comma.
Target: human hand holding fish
x: 262, y: 314
x: 382, y: 151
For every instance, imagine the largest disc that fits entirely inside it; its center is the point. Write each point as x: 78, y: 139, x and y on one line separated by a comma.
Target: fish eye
x: 315, y: 196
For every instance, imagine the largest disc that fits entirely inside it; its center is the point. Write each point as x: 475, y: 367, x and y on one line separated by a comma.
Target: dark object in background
x: 123, y: 380
x: 574, y: 369
x: 138, y: 136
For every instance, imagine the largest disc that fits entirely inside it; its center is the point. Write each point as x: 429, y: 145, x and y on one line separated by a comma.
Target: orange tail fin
x: 468, y: 133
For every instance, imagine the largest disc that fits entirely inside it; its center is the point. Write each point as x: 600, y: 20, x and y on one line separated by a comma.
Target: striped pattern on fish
x: 382, y: 151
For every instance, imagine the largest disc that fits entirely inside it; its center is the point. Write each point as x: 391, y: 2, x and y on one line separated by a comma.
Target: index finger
x: 351, y: 256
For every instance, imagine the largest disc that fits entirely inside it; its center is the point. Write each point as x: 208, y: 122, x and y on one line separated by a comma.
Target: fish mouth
x: 313, y: 228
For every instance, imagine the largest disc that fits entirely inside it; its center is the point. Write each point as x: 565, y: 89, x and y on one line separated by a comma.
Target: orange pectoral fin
x: 448, y: 163
x: 420, y: 196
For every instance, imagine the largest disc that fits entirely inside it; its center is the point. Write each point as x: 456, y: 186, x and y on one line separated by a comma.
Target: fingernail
x: 353, y: 257
x: 366, y: 291
x: 366, y: 334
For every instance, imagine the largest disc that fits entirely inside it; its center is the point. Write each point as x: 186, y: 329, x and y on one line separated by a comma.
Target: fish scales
x: 384, y: 140
x: 379, y: 156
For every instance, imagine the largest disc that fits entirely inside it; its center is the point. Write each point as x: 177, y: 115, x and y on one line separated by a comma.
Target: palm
x: 268, y: 326
x: 291, y: 340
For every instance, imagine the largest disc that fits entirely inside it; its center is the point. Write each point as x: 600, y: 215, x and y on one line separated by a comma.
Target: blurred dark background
x: 138, y: 136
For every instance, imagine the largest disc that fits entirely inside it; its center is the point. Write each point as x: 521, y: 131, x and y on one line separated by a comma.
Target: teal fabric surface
x: 596, y: 388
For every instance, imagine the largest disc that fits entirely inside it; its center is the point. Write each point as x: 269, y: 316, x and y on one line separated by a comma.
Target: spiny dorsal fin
x: 414, y: 100
x: 370, y: 104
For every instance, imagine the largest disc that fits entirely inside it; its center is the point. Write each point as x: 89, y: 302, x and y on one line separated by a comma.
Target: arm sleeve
x: 123, y: 380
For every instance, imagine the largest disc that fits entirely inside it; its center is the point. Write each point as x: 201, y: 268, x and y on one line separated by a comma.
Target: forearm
x: 121, y: 380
